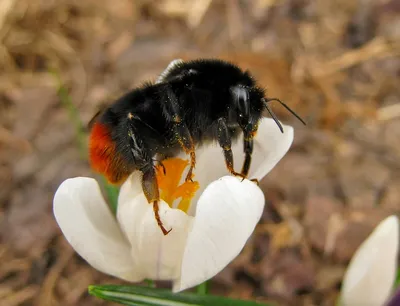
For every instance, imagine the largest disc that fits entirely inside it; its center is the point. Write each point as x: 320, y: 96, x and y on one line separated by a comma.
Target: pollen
x: 170, y: 184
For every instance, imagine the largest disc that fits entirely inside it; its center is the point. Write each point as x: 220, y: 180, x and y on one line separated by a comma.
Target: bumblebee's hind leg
x: 225, y: 141
x: 172, y: 112
x: 149, y: 179
x: 150, y: 189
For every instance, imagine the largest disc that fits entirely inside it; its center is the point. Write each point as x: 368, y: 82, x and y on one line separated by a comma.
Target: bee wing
x: 94, y: 119
x: 100, y: 110
x: 163, y: 76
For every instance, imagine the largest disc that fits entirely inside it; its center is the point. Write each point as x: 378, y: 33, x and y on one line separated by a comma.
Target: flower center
x: 169, y: 176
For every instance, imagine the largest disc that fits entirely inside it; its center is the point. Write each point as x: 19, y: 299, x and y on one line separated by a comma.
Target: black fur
x: 193, y: 102
x: 203, y: 89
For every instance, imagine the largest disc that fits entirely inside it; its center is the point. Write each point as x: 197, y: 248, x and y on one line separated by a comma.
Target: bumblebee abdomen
x: 103, y: 155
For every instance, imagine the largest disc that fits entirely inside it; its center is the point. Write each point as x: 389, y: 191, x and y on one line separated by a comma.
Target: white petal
x: 90, y: 228
x: 226, y: 215
x: 131, y: 188
x: 270, y: 145
x: 372, y: 270
x: 158, y: 256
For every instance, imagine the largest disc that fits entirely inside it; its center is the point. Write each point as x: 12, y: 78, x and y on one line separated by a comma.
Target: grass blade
x: 145, y: 296
x: 73, y: 113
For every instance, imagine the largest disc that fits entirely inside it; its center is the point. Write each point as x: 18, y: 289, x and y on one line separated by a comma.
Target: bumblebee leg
x: 225, y: 141
x: 150, y: 189
x: 161, y: 164
x: 241, y: 100
x: 185, y: 140
x: 149, y: 179
x: 171, y: 110
x: 248, y: 151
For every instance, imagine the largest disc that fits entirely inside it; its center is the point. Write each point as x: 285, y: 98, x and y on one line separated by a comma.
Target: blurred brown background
x: 336, y: 62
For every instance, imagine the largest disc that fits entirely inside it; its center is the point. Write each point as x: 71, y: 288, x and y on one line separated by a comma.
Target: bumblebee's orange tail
x: 103, y: 155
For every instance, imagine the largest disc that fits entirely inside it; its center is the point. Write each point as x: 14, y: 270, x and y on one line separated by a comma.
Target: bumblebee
x: 191, y: 103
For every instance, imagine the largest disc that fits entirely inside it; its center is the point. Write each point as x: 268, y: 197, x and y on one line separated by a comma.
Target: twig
x: 378, y: 48
x: 389, y: 112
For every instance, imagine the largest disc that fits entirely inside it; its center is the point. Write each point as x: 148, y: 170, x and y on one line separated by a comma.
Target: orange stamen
x: 169, y: 183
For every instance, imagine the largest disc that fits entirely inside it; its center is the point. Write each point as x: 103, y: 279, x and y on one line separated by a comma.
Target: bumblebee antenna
x: 287, y: 107
x: 273, y: 116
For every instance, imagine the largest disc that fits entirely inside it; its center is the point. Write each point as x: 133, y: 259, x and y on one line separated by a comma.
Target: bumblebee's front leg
x: 172, y: 112
x: 248, y: 141
x: 247, y: 122
x: 225, y: 141
x: 150, y: 189
x: 248, y: 151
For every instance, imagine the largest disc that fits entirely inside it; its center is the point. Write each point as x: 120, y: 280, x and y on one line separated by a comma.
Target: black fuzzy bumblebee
x: 192, y: 102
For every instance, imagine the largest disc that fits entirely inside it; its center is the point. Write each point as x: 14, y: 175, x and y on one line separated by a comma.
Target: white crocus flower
x: 372, y: 271
x: 208, y: 231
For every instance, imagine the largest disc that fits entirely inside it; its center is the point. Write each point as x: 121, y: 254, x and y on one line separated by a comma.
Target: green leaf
x: 112, y: 195
x: 202, y: 288
x: 150, y: 283
x: 145, y: 296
